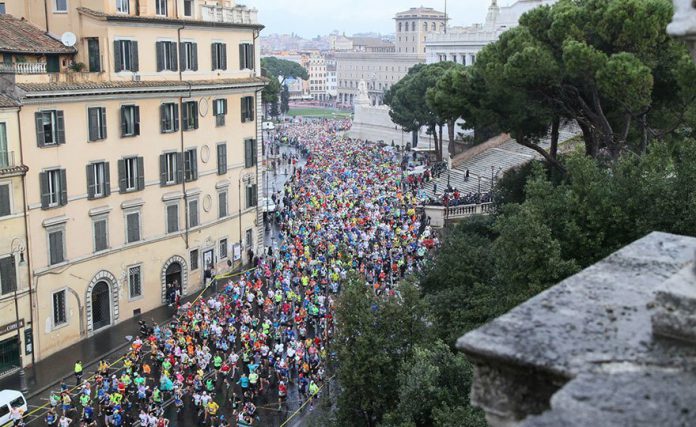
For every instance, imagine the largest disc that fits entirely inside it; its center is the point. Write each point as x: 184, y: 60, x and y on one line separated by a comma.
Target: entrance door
x: 101, y: 307
x: 52, y: 64
x: 173, y: 277
x: 207, y: 259
x: 9, y: 354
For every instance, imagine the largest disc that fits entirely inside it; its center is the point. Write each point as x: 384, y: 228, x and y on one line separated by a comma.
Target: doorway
x: 52, y: 64
x: 172, y: 276
x: 101, y: 306
x: 9, y: 354
x: 207, y: 259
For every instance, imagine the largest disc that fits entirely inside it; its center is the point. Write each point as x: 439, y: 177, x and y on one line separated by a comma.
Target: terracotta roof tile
x: 20, y: 36
x: 143, y: 84
x: 7, y: 102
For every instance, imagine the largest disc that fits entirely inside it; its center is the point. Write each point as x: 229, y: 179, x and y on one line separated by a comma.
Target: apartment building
x: 141, y: 142
x: 316, y: 68
x: 380, y: 64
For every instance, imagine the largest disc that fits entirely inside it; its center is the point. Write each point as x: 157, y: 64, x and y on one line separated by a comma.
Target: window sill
x: 60, y: 12
x: 60, y: 326
x: 136, y: 298
x: 58, y: 264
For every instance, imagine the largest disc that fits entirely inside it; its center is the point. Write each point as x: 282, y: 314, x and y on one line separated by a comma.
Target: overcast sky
x: 310, y: 18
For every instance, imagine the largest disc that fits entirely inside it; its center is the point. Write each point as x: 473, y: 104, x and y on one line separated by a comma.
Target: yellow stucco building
x: 141, y: 138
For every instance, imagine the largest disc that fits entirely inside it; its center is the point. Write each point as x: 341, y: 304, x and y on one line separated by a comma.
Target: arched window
x: 433, y: 27
x: 425, y: 26
x: 413, y: 26
x: 399, y: 26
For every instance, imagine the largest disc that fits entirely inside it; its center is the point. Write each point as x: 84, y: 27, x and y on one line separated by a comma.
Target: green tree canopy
x: 407, y: 101
x: 608, y: 64
x: 283, y: 68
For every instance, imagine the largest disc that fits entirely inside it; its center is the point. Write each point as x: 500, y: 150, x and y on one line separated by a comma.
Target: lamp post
x: 17, y: 249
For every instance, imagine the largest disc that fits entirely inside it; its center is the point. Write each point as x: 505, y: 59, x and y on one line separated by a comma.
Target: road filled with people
x: 264, y: 338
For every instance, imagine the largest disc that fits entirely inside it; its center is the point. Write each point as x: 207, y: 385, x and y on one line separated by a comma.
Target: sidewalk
x: 50, y: 371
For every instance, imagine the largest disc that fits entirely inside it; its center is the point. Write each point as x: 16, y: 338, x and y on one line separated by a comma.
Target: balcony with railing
x: 23, y: 68
x: 229, y: 15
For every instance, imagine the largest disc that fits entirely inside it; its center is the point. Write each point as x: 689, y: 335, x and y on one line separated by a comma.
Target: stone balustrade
x: 23, y: 68
x: 439, y: 215
x: 230, y: 15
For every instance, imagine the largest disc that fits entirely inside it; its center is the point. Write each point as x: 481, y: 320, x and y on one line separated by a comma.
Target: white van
x: 11, y: 399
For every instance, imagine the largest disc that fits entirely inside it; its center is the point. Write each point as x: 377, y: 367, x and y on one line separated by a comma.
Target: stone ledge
x: 675, y: 307
x: 597, y: 318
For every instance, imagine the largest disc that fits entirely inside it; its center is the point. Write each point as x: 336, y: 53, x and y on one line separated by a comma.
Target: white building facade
x: 381, y: 66
x: 462, y: 44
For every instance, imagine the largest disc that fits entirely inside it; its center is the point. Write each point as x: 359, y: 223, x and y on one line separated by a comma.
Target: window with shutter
x: 130, y: 120
x: 222, y: 159
x: 132, y: 227
x: 55, y: 247
x: 90, y: 182
x: 247, y: 153
x: 222, y: 204
x: 100, y: 235
x: 8, y: 275
x: 5, y: 200
x: 190, y: 165
x: 193, y: 213
x: 172, y: 218
x: 62, y: 187
x: 141, y: 173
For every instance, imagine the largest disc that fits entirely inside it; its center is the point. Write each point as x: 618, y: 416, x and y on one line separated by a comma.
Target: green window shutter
x: 117, y: 56
x: 223, y: 56
x: 194, y: 62
x: 102, y: 112
x: 93, y: 123
x: 60, y: 127
x: 172, y: 56
x: 184, y: 116
x: 179, y: 168
x: 107, y: 180
x: 163, y: 117
x: 141, y: 173
x: 254, y: 153
x: 45, y: 194
x: 122, y: 179
x: 163, y: 169
x: 40, y: 136
x: 134, y: 56
x: 136, y: 120
x: 175, y: 115
x: 213, y: 56
x: 90, y: 182
x: 159, y: 53
x: 63, y: 188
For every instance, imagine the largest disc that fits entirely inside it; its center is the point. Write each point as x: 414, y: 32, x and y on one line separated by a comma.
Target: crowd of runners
x: 347, y: 209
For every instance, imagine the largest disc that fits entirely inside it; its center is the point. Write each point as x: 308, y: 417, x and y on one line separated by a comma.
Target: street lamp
x: 17, y: 250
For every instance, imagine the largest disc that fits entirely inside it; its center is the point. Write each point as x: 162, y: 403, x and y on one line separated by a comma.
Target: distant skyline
x: 310, y: 18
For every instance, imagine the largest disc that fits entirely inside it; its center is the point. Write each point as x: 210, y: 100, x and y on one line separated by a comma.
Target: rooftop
x: 419, y: 12
x: 7, y: 102
x: 86, y: 87
x: 218, y: 22
x: 21, y: 37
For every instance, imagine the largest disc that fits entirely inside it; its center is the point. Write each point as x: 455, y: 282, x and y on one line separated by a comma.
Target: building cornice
x: 159, y: 20
x: 38, y: 92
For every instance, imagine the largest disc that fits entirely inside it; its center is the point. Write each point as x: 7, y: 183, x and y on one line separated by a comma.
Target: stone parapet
x: 595, y: 331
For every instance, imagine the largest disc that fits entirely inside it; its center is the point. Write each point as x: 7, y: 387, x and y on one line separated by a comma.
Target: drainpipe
x: 46, y: 14
x: 26, y: 231
x: 181, y: 136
